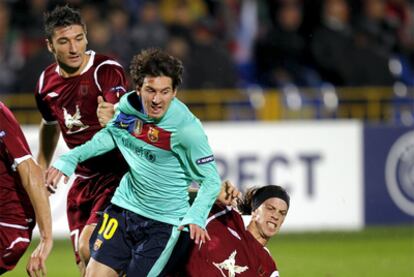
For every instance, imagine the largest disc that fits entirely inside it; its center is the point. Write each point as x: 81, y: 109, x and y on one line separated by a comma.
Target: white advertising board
x: 318, y: 162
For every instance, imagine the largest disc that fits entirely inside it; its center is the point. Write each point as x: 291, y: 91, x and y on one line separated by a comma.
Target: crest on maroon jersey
x: 73, y: 122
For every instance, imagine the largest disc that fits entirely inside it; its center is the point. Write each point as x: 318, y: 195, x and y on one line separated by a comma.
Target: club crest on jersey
x: 230, y: 266
x: 153, y: 134
x: 84, y: 88
x: 2, y: 134
x: 73, y: 122
x: 97, y: 244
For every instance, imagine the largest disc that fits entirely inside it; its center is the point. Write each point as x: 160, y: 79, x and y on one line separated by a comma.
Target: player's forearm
x: 206, y: 196
x: 48, y: 139
x: 101, y: 143
x: 32, y: 180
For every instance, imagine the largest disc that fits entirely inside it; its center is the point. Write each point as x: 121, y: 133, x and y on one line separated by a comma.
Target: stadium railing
x: 370, y: 104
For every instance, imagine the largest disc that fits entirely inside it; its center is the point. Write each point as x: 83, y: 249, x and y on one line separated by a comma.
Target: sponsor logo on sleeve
x: 399, y: 173
x: 118, y: 90
x: 205, y: 160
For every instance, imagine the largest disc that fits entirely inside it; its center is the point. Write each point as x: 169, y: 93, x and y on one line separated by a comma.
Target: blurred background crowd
x: 229, y: 43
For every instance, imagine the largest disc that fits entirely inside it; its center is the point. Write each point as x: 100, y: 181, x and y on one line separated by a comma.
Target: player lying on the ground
x: 233, y: 249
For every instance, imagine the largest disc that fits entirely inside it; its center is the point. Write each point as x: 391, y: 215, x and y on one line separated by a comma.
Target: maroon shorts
x: 14, y: 240
x: 86, y: 198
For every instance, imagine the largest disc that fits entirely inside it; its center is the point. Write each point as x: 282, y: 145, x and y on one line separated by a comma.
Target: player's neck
x: 256, y: 234
x: 67, y: 72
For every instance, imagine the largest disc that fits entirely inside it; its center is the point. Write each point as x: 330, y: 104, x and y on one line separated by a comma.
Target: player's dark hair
x: 155, y: 62
x: 255, y: 196
x: 61, y: 16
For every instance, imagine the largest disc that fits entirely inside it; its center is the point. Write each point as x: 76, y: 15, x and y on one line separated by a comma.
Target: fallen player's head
x: 268, y: 207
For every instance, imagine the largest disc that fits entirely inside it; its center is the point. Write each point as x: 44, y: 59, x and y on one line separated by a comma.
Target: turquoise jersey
x: 164, y: 157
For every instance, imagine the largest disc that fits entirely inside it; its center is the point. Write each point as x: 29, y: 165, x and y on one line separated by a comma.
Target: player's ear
x: 50, y: 46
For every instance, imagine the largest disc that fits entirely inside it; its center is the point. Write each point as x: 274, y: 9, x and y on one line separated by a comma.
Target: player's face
x: 68, y: 45
x: 269, y: 216
x: 156, y: 94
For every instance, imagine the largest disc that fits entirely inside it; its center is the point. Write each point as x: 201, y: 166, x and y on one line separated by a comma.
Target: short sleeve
x: 43, y: 108
x: 111, y: 80
x: 12, y: 136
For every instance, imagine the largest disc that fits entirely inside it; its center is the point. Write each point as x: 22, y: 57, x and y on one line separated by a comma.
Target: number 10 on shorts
x: 108, y: 227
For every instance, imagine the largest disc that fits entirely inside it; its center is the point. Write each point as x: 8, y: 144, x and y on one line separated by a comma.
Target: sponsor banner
x: 389, y: 174
x: 318, y: 162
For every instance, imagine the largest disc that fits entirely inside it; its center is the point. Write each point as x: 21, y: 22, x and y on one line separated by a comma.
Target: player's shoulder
x: 6, y: 115
x: 181, y: 115
x: 4, y: 110
x: 100, y: 60
x: 49, y: 70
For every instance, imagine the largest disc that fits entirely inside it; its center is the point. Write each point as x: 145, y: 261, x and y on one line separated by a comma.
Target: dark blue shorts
x: 132, y: 244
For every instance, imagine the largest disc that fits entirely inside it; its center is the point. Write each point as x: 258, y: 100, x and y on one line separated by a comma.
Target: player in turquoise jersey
x: 166, y: 149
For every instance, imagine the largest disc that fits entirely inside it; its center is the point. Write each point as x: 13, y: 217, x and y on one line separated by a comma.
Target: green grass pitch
x: 377, y: 252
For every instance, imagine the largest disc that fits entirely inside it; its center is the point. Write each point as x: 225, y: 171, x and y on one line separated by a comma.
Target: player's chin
x: 270, y: 232
x: 156, y: 114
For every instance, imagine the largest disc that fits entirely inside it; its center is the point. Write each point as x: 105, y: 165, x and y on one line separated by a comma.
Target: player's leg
x: 84, y: 239
x: 153, y: 244
x: 14, y: 240
x: 98, y: 269
x: 77, y: 215
x: 86, y: 198
x: 110, y: 246
x: 179, y: 256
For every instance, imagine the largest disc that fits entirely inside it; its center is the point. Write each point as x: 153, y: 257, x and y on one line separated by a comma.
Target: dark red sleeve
x: 43, y: 107
x: 11, y: 134
x: 112, y: 81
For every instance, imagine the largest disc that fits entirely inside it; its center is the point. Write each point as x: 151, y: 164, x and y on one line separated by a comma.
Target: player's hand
x: 198, y: 234
x: 53, y: 177
x: 36, y: 266
x: 229, y: 194
x: 105, y: 111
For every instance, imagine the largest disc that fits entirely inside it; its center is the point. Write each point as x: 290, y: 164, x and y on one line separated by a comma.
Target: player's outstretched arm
x: 32, y: 179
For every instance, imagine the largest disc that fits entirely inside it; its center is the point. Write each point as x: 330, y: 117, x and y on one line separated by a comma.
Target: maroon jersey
x: 72, y: 103
x: 232, y: 250
x: 15, y: 204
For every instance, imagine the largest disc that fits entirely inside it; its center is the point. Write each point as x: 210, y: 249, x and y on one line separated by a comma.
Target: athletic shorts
x: 14, y: 240
x: 179, y: 257
x: 132, y: 244
x: 85, y: 199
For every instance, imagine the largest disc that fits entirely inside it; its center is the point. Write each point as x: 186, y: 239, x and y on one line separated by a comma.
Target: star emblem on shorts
x: 230, y: 265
